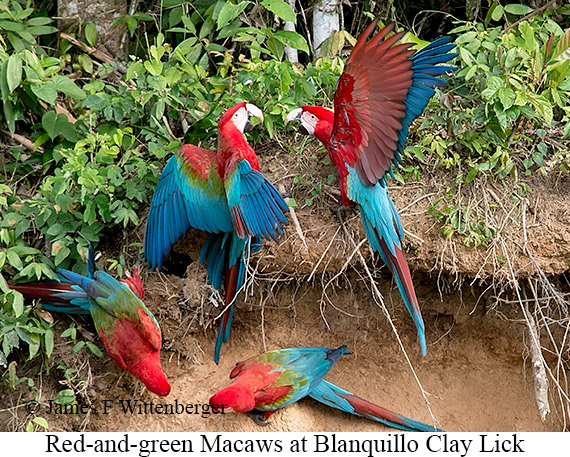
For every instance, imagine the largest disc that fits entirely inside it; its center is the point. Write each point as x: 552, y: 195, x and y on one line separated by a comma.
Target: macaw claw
x: 258, y: 417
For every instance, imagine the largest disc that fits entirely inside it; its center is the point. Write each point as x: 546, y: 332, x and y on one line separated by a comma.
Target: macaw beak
x: 254, y: 111
x: 294, y: 115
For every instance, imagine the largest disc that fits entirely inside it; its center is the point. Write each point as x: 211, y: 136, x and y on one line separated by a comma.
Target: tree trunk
x: 326, y: 20
x: 75, y: 13
x: 292, y: 55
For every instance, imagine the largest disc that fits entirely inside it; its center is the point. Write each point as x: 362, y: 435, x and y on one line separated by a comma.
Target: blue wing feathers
x: 181, y: 201
x: 425, y: 67
x: 255, y: 202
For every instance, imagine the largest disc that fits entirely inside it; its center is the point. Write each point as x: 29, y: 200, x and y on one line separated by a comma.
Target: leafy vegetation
x: 507, y: 111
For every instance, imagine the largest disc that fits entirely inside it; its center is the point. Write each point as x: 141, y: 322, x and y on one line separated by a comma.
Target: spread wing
x: 190, y: 193
x: 383, y: 88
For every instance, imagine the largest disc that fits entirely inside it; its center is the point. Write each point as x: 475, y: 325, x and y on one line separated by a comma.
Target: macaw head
x: 135, y: 282
x: 314, y: 120
x: 239, y: 116
x: 149, y: 370
x: 234, y: 398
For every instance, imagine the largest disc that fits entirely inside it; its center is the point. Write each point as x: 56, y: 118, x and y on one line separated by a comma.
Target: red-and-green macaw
x: 221, y: 192
x: 271, y: 381
x: 383, y: 88
x: 129, y: 331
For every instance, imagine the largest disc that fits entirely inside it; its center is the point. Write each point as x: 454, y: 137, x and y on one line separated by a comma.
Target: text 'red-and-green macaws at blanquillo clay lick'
x: 221, y: 192
x: 271, y: 381
x: 383, y: 88
x: 129, y: 331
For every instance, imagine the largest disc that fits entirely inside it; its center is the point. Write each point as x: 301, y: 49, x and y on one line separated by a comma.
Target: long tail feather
x: 232, y: 279
x: 61, y: 297
x: 385, y: 234
x: 338, y: 398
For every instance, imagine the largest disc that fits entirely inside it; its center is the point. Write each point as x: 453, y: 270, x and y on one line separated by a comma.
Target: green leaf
x: 78, y: 347
x: 507, y: 97
x: 71, y: 332
x: 14, y: 259
x: 33, y: 348
x: 40, y: 30
x: 294, y: 40
x: 562, y: 49
x: 49, y: 124
x: 229, y: 12
x: 91, y: 34
x: 68, y: 130
x: 12, y: 26
x: 154, y: 67
x: 38, y: 21
x: 3, y: 284
x: 14, y: 72
x: 517, y: 9
x: 4, y: 82
x: 94, y: 349
x: 497, y: 12
x: 68, y: 87
x: 10, y: 117
x: 471, y: 175
x: 95, y: 101
x: 175, y: 16
x: 538, y: 159
x: 48, y: 337
x: 543, y: 107
x: 281, y: 9
x: 18, y: 304
x: 55, y: 230
x: 41, y: 422
x: 45, y: 91
x: 85, y: 62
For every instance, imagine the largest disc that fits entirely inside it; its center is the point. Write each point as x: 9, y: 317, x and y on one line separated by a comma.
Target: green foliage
x: 21, y: 327
x: 512, y: 85
x: 37, y: 424
x: 459, y: 219
x: 504, y: 111
x: 97, y: 147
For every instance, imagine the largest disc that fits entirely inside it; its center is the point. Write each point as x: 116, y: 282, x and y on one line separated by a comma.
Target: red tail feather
x: 369, y: 410
x: 40, y: 291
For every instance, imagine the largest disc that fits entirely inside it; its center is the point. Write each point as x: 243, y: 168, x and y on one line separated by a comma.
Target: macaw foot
x: 258, y: 417
x: 286, y: 194
x: 339, y: 210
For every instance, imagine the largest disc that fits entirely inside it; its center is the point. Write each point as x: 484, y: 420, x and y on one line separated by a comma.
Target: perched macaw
x: 221, y: 192
x: 383, y: 88
x: 271, y: 381
x: 129, y: 331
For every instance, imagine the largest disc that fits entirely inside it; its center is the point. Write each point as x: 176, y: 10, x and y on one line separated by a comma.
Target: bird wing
x: 383, y: 88
x: 111, y: 300
x: 190, y: 193
x: 256, y: 206
x: 296, y: 373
